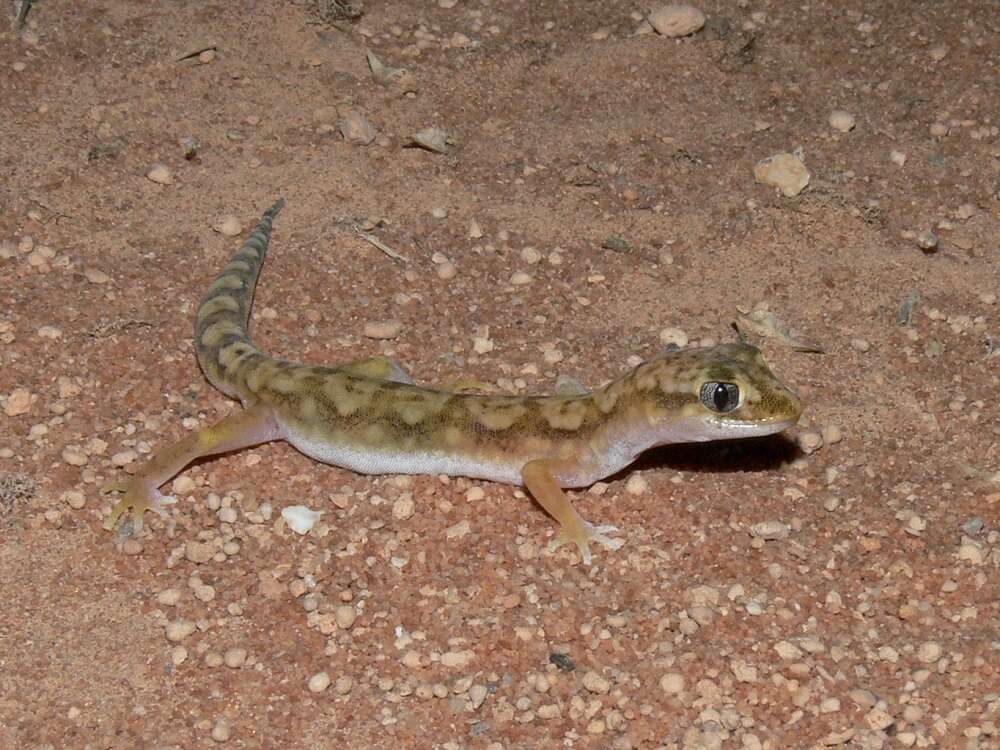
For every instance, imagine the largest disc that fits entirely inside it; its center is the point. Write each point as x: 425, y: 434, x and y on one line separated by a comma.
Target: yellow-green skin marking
x: 369, y: 417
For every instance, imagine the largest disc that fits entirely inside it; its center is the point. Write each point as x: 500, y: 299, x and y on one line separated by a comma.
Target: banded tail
x: 221, y: 340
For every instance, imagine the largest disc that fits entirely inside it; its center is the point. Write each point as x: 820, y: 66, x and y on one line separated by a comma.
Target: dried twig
x: 375, y: 241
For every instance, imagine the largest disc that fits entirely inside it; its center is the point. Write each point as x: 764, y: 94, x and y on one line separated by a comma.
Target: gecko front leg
x: 539, y: 478
x: 241, y: 430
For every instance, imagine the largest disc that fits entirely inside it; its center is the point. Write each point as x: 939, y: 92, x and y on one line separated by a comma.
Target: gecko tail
x: 222, y: 341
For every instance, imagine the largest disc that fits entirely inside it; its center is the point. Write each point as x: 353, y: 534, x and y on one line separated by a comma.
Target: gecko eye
x: 720, y: 397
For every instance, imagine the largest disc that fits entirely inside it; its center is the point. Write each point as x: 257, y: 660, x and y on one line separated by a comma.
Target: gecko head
x: 718, y: 393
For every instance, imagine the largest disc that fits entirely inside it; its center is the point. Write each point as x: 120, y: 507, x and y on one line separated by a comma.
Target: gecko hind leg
x: 243, y: 429
x: 539, y: 478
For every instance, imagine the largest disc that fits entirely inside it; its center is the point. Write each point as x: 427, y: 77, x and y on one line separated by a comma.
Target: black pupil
x: 721, y: 397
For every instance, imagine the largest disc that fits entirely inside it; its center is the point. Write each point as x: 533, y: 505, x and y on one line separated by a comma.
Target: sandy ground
x: 598, y: 192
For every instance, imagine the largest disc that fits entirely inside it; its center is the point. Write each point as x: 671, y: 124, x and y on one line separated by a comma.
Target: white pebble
x: 938, y: 52
x: 178, y: 630
x: 235, y: 658
x: 637, y: 485
x: 672, y: 683
x: 446, y: 271
x: 520, y: 278
x: 862, y: 345
x: 770, y: 530
x: 383, y: 329
x: 160, y: 174
x: 530, y: 255
x: 897, y: 157
x: 299, y: 518
x: 403, y: 508
x: 810, y: 441
x: 222, y: 730
x: 356, y: 128
x: 842, y: 121
x: 345, y: 615
x: 676, y: 20
x: 227, y: 225
x: 439, y: 212
x: 319, y: 682
x: 784, y: 171
x: 674, y: 336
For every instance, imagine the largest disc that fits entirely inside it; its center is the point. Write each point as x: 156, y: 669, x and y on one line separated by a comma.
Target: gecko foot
x: 139, y: 498
x: 583, y: 535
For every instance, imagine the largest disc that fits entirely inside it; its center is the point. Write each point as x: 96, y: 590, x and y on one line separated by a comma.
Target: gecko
x: 368, y: 416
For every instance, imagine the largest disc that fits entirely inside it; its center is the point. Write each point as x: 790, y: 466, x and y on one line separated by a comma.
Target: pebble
x: 842, y: 121
x: 939, y: 129
x: 228, y: 226
x: 897, y: 157
x: 345, y: 615
x: 132, y: 547
x: 988, y: 298
x: 862, y: 345
x: 318, y: 682
x: 938, y: 52
x: 672, y: 683
x: 168, y: 597
x: 520, y: 278
x: 446, y: 271
x: 95, y: 276
x: 787, y: 650
x: 74, y: 499
x: 636, y: 485
x: 530, y: 255
x: 927, y: 240
x: 222, y: 730
x: 235, y: 658
x: 770, y: 530
x: 475, y: 230
x: 595, y: 683
x: 178, y: 630
x: 383, y: 329
x: 206, y: 56
x: 199, y: 552
x: 832, y: 434
x: 457, y: 659
x: 674, y: 336
x: 676, y: 20
x: 19, y: 402
x: 432, y: 139
x: 929, y: 652
x: 810, y: 441
x: 784, y: 171
x: 299, y: 518
x: 19, y: 67
x: 124, y: 458
x: 355, y: 128
x: 72, y: 455
x: 160, y: 174
x: 439, y: 212
x: 403, y: 508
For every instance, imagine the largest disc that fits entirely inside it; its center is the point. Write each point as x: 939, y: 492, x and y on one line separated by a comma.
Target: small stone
x: 595, y: 683
x: 318, y: 682
x: 458, y: 530
x: 927, y: 241
x: 676, y: 20
x: 636, y: 485
x: 95, y: 276
x: 19, y: 402
x: 228, y: 226
x: 432, y: 139
x: 929, y: 652
x: 457, y: 659
x: 897, y: 157
x: 938, y: 52
x: 784, y: 171
x: 168, y: 597
x: 446, y: 271
x: 787, y: 650
x: 199, y: 552
x: 829, y: 705
x: 972, y: 552
x: 810, y: 441
x: 356, y: 128
x: 235, y: 658
x: 520, y: 278
x: 439, y: 212
x: 939, y: 129
x: 674, y: 336
x: 178, y: 630
x: 132, y: 547
x: 988, y: 298
x: 222, y: 730
x: 206, y: 56
x: 299, y: 518
x: 862, y: 345
x: 345, y: 615
x: 770, y: 530
x: 530, y: 255
x: 403, y: 508
x: 965, y: 212
x: 160, y: 174
x: 475, y: 231
x: 124, y: 458
x: 842, y: 121
x: 72, y: 455
x: 832, y: 434
x: 672, y: 683
x: 74, y: 499
x: 383, y: 329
